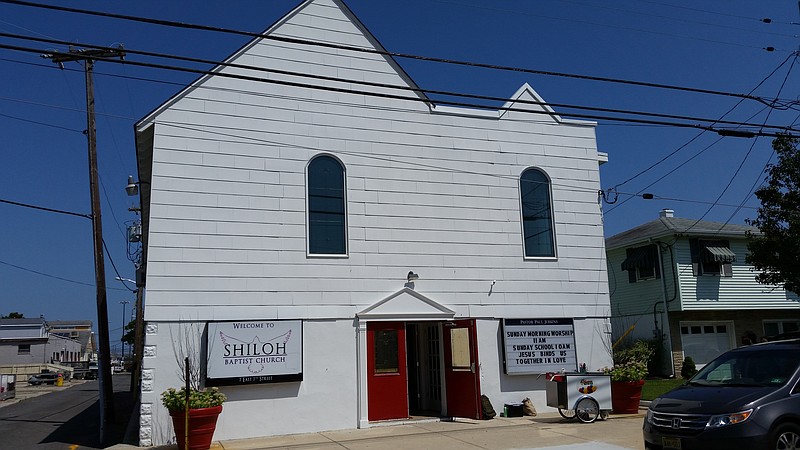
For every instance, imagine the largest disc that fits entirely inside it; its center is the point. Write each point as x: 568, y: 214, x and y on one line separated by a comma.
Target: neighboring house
x: 345, y: 258
x: 23, y: 341
x: 698, y: 269
x: 28, y: 342
x: 81, y: 331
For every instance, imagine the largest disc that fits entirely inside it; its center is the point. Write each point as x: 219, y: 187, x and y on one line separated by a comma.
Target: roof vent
x: 666, y: 213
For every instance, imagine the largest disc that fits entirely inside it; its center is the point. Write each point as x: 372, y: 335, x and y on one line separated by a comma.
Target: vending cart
x: 582, y: 396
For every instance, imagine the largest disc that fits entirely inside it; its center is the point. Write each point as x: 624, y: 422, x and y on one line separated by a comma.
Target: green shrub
x: 630, y: 364
x: 688, y: 368
x: 175, y: 399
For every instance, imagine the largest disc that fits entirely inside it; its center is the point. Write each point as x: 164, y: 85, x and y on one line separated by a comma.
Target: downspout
x: 666, y: 308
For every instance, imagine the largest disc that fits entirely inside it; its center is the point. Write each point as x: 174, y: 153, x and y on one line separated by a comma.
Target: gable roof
x: 273, y: 30
x: 406, y: 304
x: 676, y: 226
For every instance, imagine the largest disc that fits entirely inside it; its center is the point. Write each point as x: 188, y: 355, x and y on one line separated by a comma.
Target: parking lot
x: 25, y: 390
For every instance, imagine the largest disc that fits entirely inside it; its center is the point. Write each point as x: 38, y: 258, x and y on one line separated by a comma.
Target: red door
x: 387, y: 387
x: 461, y: 369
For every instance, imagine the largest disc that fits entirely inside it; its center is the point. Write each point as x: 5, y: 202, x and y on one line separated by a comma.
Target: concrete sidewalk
x: 546, y: 431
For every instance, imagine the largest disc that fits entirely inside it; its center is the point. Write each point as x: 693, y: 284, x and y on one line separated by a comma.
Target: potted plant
x: 627, y: 377
x: 204, y: 407
x: 194, y: 410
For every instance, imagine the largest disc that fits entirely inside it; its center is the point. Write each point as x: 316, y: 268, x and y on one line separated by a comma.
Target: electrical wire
x: 161, y: 22
x: 417, y: 90
x: 722, y: 131
x: 42, y: 208
x: 738, y: 169
x: 636, y: 30
x: 642, y: 172
x: 51, y: 276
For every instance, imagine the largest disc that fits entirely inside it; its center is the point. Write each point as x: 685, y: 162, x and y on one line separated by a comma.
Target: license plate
x: 671, y: 443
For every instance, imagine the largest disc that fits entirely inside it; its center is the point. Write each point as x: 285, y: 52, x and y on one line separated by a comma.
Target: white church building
x: 336, y: 250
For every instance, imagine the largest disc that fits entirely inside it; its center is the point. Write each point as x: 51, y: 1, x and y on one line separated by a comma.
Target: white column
x: 361, y: 359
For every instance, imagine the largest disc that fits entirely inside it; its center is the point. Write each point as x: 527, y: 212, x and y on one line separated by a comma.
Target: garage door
x: 704, y: 341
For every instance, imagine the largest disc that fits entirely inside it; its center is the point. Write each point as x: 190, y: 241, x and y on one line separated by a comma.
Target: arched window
x: 537, y: 214
x: 327, y: 221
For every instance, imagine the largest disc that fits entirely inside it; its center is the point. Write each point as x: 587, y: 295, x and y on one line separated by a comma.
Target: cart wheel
x: 567, y: 413
x: 587, y: 410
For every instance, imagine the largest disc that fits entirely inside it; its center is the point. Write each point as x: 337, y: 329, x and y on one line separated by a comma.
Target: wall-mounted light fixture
x: 412, y: 276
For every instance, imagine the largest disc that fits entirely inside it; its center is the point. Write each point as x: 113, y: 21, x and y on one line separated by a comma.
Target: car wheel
x: 786, y: 437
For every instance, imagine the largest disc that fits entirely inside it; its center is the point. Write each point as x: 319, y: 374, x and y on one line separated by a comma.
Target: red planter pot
x: 202, y: 423
x: 625, y: 396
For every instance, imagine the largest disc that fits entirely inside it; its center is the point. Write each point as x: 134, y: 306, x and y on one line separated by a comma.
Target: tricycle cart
x: 584, y: 396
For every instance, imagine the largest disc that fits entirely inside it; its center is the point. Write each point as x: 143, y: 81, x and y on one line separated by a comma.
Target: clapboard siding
x: 740, y: 291
x: 437, y: 193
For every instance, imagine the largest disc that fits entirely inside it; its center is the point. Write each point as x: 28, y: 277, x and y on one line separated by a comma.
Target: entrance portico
x: 406, y: 349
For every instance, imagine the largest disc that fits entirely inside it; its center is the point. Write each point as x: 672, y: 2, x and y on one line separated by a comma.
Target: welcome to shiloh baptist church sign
x: 254, y: 352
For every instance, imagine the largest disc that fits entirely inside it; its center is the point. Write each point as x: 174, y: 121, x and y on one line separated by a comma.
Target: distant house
x: 28, y: 342
x: 78, y: 330
x: 349, y: 252
x: 697, y: 268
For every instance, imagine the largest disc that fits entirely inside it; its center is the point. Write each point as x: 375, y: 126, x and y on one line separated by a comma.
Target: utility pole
x: 104, y: 373
x: 124, y: 303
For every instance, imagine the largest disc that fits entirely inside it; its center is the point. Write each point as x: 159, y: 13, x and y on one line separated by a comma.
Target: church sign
x: 249, y: 352
x: 534, y: 346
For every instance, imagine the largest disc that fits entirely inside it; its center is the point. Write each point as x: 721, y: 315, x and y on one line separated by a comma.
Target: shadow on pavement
x: 84, y: 428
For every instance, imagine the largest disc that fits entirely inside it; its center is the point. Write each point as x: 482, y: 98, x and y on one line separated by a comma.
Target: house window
x: 327, y: 224
x: 24, y: 349
x: 775, y: 327
x: 537, y: 214
x: 711, y: 257
x: 642, y: 263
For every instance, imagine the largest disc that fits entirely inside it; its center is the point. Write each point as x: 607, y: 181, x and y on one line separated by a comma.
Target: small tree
x: 774, y: 252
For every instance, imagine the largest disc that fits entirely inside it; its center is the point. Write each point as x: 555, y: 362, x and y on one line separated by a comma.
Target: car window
x: 770, y: 367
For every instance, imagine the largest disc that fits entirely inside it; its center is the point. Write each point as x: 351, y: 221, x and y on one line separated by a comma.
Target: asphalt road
x: 65, y: 418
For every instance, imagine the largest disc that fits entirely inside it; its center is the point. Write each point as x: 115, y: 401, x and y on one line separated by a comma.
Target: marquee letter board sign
x: 254, y: 352
x: 534, y: 346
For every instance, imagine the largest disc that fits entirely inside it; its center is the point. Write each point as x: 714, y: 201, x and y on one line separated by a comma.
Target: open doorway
x: 424, y: 362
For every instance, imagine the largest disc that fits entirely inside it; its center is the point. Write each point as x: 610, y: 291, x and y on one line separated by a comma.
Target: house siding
x: 739, y: 291
x: 228, y: 223
x: 633, y: 299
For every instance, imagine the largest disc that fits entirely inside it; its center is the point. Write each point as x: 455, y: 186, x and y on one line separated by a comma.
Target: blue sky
x: 46, y: 259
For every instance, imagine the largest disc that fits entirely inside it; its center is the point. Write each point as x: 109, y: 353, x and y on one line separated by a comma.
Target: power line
x: 777, y: 103
x: 51, y: 276
x: 685, y: 20
x: 168, y: 23
x: 636, y: 30
x: 41, y: 123
x: 42, y: 208
x: 642, y: 172
x: 750, y: 150
x: 721, y: 131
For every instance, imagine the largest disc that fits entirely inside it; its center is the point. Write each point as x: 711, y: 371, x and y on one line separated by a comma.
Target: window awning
x: 641, y: 257
x: 718, y: 254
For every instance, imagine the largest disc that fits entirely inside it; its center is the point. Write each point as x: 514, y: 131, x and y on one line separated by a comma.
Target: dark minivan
x: 747, y: 398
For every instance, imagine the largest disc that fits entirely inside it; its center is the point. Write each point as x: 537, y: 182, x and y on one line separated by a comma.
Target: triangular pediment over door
x: 406, y: 305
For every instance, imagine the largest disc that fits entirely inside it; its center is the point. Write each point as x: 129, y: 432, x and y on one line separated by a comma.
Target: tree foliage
x: 12, y: 315
x: 774, y: 252
x: 130, y: 333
